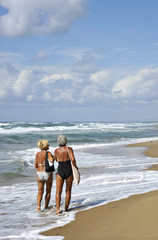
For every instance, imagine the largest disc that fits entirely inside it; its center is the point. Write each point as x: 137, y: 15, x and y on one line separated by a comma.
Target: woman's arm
x: 51, y: 157
x: 36, y: 162
x: 72, y: 157
x: 55, y: 155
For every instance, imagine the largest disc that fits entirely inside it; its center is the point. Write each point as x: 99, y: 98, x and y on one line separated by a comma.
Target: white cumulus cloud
x: 55, y: 77
x: 142, y: 84
x: 6, y: 80
x: 98, y: 86
x: 22, y: 82
x: 38, y: 17
x: 101, y: 77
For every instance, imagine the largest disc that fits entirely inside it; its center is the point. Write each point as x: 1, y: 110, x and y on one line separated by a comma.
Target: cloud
x: 38, y: 17
x: 22, y: 82
x: 55, y: 77
x: 41, y: 55
x: 7, y: 75
x: 100, y: 78
x: 30, y: 98
x: 39, y: 83
x: 85, y: 64
x: 66, y: 95
x: 141, y: 85
x: 47, y: 96
x: 59, y: 87
x: 98, y: 87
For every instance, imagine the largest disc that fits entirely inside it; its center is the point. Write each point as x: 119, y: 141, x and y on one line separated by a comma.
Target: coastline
x: 127, y: 219
x: 152, y: 151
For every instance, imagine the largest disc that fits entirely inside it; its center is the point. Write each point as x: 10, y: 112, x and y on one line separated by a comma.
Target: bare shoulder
x: 49, y: 153
x: 70, y: 149
x: 37, y: 154
x: 56, y: 150
x: 37, y: 157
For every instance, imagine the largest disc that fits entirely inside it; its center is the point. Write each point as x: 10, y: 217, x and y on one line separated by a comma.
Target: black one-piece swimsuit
x: 64, y: 169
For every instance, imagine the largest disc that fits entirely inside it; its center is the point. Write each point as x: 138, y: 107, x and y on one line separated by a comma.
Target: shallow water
x: 109, y: 171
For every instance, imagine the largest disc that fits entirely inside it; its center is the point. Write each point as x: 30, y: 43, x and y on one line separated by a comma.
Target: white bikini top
x: 41, y: 164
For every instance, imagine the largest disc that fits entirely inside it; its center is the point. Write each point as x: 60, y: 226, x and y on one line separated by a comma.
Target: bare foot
x: 47, y: 207
x: 38, y: 209
x: 57, y: 212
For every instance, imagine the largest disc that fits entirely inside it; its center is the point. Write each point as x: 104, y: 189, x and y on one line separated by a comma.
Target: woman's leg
x: 40, y: 193
x: 68, y: 192
x: 48, y: 189
x: 59, y: 188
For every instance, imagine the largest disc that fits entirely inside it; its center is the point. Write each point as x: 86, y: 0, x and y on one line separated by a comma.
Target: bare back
x: 62, y: 154
x: 40, y: 160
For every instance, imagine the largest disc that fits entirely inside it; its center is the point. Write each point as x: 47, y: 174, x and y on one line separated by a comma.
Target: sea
x: 109, y: 171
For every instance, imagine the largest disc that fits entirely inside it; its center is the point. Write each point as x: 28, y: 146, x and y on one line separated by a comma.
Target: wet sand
x: 133, y: 218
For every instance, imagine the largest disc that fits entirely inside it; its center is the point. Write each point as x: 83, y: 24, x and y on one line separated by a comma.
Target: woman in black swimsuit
x: 64, y: 172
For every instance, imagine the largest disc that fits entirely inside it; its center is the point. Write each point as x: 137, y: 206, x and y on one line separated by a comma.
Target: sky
x: 78, y: 60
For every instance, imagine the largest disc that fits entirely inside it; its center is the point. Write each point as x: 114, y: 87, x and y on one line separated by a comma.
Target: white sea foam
x: 80, y: 127
x: 109, y: 171
x: 110, y: 183
x: 28, y: 157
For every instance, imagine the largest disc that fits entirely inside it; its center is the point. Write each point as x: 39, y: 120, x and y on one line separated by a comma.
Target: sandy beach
x: 133, y: 218
x: 152, y: 151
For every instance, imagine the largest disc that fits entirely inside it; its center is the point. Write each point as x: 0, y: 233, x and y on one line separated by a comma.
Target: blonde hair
x: 43, y: 144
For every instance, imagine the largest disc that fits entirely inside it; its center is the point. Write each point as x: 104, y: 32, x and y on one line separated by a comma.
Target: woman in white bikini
x: 43, y: 176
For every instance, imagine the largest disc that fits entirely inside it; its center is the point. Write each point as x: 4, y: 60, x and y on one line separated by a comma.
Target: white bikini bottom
x: 43, y: 176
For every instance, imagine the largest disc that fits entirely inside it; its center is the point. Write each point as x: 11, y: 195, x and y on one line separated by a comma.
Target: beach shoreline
x: 151, y: 151
x: 133, y: 218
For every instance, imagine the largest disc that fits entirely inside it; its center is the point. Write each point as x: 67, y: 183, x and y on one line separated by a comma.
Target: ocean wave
x: 109, y: 171
x: 20, y: 128
x: 85, y: 154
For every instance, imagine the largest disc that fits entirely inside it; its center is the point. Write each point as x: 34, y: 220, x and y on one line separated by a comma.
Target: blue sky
x: 78, y: 60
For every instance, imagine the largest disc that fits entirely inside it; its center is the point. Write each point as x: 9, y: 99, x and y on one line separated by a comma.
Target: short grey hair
x: 62, y: 140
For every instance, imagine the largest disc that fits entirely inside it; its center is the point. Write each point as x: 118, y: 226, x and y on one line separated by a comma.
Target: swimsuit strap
x: 68, y: 153
x: 58, y: 159
x: 42, y: 164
